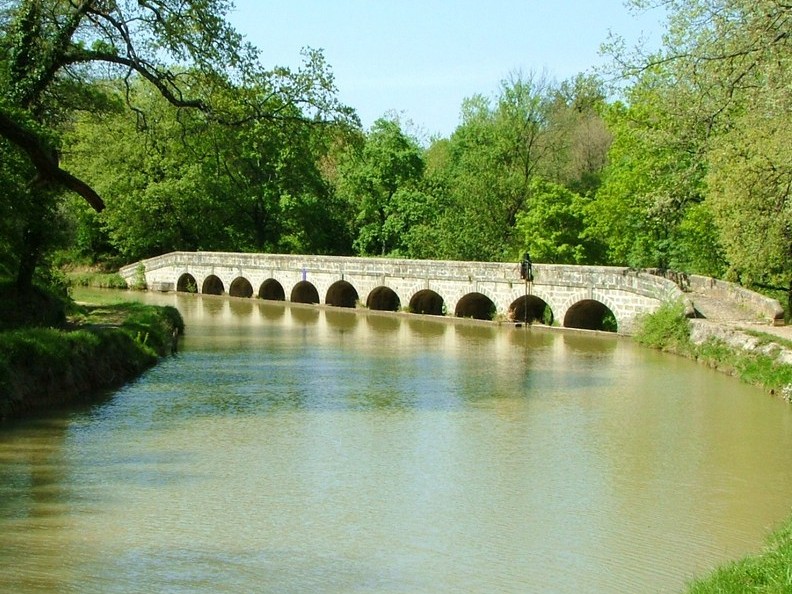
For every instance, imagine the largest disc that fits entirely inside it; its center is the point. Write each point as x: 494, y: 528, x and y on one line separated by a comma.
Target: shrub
x: 666, y: 329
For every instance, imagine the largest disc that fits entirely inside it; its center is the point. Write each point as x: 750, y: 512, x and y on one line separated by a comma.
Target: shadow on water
x: 531, y: 337
x: 241, y: 308
x: 426, y: 326
x: 476, y: 331
x: 304, y: 315
x: 212, y: 306
x: 590, y: 344
x: 341, y: 320
x: 272, y: 311
x: 383, y: 324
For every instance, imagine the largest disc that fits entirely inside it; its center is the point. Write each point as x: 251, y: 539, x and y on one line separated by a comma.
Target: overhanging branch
x: 45, y: 160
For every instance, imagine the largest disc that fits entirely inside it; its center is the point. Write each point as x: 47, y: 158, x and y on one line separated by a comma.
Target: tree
x: 492, y: 157
x: 371, y: 177
x: 186, y: 182
x: 581, y: 138
x: 652, y: 183
x: 750, y: 183
x: 727, y: 70
x: 52, y: 51
x: 553, y: 225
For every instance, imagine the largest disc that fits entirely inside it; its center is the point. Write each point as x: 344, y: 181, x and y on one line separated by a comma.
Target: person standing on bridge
x: 526, y: 268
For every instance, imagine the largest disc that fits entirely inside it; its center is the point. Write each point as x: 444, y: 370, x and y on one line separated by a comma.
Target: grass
x: 767, y: 573
x: 668, y: 330
x: 37, y: 307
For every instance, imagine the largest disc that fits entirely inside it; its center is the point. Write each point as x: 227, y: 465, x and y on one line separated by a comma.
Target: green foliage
x: 139, y: 280
x: 185, y: 183
x: 508, y: 174
x: 74, y: 75
x: 379, y: 179
x: 99, y: 280
x: 756, y: 368
x: 705, y: 140
x: 666, y: 329
x: 553, y: 224
x: 38, y: 306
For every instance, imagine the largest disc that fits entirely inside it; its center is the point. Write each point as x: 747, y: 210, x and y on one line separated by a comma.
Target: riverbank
x: 766, y: 573
x: 97, y: 348
x: 756, y: 357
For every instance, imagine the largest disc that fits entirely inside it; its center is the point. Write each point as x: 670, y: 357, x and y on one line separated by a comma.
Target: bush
x: 666, y: 329
x: 99, y: 280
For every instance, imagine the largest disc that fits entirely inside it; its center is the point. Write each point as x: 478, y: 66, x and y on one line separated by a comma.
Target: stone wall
x: 765, y: 307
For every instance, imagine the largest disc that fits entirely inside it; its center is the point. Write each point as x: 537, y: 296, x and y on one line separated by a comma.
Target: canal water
x: 298, y: 449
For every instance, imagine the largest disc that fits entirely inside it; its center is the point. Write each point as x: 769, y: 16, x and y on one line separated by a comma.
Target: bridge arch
x: 304, y: 292
x: 531, y: 309
x: 477, y: 306
x: 590, y: 314
x: 212, y: 285
x: 342, y: 294
x: 240, y: 287
x: 383, y: 298
x: 272, y: 290
x: 428, y: 302
x: 187, y: 283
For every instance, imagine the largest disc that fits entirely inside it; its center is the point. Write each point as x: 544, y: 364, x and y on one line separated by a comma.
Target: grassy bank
x: 767, y: 573
x: 771, y: 571
x: 97, y: 348
x: 669, y: 330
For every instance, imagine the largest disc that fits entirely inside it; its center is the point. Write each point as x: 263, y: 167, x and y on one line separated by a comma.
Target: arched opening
x: 187, y: 283
x: 383, y: 299
x: 272, y: 290
x: 240, y: 287
x: 341, y: 294
x: 304, y: 292
x: 590, y: 315
x: 212, y: 285
x: 531, y: 309
x: 427, y: 302
x: 475, y: 305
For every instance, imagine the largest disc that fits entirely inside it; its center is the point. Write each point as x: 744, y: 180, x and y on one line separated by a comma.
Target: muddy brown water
x: 291, y: 449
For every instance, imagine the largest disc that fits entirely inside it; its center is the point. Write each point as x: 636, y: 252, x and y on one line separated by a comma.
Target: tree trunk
x: 31, y: 253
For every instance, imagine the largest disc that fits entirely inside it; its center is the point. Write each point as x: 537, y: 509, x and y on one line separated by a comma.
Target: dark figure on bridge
x: 526, y: 268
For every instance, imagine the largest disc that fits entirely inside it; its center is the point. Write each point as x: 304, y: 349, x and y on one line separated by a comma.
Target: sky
x: 421, y: 58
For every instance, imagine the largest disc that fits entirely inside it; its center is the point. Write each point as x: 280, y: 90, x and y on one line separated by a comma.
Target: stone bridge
x: 588, y: 297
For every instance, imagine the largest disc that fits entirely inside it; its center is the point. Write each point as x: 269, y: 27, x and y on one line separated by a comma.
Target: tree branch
x: 45, y: 160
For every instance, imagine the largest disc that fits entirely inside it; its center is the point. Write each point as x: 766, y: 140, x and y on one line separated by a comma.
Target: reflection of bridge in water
x: 588, y: 297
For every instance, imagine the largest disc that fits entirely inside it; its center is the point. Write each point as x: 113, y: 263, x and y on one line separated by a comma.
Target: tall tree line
x: 688, y: 167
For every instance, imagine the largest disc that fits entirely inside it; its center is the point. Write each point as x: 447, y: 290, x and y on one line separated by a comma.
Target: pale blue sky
x: 421, y: 58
